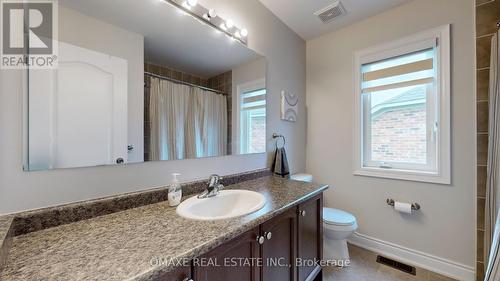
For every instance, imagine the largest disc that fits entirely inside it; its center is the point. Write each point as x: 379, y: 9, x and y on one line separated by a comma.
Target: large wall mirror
x: 142, y: 81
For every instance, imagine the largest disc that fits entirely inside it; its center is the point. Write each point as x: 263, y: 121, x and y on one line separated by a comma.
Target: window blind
x: 253, y: 100
x: 402, y: 71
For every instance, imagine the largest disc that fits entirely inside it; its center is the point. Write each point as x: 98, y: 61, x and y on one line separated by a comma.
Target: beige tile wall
x: 487, y: 14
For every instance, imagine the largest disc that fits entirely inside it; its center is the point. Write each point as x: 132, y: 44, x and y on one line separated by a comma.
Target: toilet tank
x: 302, y: 177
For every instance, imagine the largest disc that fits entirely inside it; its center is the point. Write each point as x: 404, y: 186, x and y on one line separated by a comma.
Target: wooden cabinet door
x: 227, y: 262
x: 280, y: 247
x: 310, y: 235
x: 178, y: 274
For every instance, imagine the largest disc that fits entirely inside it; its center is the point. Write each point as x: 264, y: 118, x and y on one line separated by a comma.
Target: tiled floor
x: 365, y: 268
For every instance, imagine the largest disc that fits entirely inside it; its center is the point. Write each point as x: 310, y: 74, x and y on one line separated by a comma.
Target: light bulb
x: 223, y: 26
x: 244, y: 32
x: 212, y: 13
x: 192, y: 3
x: 185, y: 4
x: 237, y: 34
x: 229, y: 23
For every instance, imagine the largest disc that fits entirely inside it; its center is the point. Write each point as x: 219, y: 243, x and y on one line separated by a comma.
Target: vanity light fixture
x: 210, y: 17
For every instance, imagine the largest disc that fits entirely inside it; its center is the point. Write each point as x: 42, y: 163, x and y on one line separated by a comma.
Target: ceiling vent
x: 331, y: 12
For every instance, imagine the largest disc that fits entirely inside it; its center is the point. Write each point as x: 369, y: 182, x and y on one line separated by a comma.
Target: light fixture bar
x: 207, y: 16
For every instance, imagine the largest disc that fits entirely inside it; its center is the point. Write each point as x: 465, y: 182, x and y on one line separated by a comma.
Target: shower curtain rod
x: 183, y: 83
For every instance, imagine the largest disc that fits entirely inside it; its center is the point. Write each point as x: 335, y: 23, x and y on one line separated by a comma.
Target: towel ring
x: 275, y: 136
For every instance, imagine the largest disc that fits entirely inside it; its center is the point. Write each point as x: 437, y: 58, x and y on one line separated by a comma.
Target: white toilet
x: 338, y: 225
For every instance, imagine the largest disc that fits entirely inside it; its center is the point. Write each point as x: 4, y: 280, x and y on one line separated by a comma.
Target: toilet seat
x: 336, y: 217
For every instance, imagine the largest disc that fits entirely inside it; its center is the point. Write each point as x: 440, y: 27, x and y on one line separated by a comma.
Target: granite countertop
x: 125, y: 244
x: 5, y: 222
x: 5, y: 233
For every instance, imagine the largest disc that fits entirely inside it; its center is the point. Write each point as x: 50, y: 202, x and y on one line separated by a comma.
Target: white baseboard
x: 416, y: 258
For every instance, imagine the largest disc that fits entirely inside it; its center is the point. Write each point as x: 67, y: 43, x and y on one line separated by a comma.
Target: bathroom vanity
x: 279, y: 242
x: 152, y: 242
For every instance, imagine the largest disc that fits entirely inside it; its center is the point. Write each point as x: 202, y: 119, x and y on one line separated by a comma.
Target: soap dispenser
x: 174, y: 191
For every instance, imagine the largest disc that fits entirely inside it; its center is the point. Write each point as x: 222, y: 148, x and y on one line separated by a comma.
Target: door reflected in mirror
x: 142, y: 83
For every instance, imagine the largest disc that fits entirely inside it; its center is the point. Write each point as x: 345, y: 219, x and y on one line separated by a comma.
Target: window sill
x: 403, y: 175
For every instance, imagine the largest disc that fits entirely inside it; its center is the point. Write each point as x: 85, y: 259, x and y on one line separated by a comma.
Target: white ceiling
x: 299, y: 14
x: 171, y: 38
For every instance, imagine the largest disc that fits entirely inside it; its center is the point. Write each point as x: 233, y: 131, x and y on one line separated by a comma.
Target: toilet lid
x: 337, y: 217
x: 302, y: 177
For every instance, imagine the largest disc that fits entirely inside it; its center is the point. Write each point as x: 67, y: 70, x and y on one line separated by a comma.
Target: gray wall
x: 445, y: 227
x: 285, y: 54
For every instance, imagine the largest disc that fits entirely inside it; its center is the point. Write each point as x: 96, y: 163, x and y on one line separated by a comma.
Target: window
x: 402, y: 109
x: 252, y: 117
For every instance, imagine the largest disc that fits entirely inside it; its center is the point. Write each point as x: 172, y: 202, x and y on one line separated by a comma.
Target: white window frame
x: 442, y: 172
x: 245, y: 88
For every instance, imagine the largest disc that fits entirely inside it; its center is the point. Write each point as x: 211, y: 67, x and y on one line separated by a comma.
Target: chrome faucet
x: 213, y: 187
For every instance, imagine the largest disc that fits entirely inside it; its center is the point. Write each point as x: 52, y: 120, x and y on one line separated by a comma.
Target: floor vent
x: 397, y: 265
x: 331, y: 12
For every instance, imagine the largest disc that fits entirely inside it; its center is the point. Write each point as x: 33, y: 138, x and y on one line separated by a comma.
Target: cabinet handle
x: 261, y: 239
x: 303, y: 213
x: 269, y: 235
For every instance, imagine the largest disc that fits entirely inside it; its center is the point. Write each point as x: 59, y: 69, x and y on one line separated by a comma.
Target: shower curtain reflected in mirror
x: 186, y: 122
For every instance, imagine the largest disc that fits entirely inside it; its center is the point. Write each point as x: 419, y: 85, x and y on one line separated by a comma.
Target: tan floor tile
x: 365, y: 268
x: 438, y: 277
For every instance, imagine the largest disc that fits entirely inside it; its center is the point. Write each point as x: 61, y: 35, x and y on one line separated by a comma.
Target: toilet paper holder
x: 414, y: 206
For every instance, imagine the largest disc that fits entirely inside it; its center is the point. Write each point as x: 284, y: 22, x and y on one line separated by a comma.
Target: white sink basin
x: 227, y: 204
